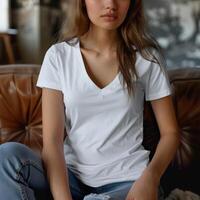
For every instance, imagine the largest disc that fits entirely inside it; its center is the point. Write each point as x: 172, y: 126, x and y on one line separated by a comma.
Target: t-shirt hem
x: 115, y: 178
x: 128, y: 177
x: 158, y: 95
x: 50, y: 86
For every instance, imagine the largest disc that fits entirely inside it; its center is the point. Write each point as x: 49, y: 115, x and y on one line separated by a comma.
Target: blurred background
x: 29, y: 27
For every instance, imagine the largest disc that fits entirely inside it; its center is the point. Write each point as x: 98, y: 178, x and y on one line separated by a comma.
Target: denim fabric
x: 22, y: 177
x: 115, y: 191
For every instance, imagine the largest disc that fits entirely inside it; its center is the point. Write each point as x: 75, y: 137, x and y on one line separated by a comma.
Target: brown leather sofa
x: 20, y: 119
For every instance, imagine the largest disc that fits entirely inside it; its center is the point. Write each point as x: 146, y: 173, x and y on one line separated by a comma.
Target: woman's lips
x: 109, y: 17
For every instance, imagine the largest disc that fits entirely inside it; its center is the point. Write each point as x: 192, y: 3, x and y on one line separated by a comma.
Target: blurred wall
x: 34, y: 23
x: 177, y: 29
x: 4, y: 16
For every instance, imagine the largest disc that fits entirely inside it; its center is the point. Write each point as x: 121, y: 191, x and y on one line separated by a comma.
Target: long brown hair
x: 133, y: 33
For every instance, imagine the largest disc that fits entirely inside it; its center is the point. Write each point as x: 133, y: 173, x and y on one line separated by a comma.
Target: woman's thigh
x: 22, y: 173
x: 77, y: 188
x: 116, y: 191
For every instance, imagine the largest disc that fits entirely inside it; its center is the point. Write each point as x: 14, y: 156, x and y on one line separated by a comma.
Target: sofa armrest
x: 20, y: 105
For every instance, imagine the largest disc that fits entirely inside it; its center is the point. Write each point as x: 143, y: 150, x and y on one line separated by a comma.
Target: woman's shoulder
x: 63, y: 47
x: 144, y: 65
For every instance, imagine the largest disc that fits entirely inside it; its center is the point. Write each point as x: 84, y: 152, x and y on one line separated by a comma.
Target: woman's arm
x: 53, y: 134
x: 169, y: 136
x: 146, y: 186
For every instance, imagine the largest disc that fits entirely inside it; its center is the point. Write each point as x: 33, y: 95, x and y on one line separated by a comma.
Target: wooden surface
x: 5, y: 37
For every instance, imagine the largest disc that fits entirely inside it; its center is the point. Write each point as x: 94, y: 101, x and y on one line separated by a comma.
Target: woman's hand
x: 145, y: 188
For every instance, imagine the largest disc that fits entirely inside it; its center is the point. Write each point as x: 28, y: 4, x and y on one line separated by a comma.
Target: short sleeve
x: 49, y: 76
x: 156, y: 82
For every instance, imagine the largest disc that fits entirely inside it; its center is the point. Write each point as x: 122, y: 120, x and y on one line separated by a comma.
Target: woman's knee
x: 14, y: 152
x: 13, y: 148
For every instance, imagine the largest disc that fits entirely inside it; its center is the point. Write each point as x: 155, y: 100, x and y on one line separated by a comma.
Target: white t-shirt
x: 104, y: 126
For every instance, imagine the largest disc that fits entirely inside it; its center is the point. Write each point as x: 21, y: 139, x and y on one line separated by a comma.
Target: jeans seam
x: 24, y: 164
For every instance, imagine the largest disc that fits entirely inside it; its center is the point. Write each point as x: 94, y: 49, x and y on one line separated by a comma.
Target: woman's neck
x: 100, y: 40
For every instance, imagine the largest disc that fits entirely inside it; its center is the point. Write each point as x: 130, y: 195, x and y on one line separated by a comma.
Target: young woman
x: 94, y: 84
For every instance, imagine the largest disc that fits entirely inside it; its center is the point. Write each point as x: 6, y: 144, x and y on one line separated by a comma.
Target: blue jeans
x: 22, y: 177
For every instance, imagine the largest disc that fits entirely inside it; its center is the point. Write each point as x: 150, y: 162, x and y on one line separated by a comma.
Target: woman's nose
x: 110, y: 4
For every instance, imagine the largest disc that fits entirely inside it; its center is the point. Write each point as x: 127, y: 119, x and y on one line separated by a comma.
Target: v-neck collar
x: 109, y: 86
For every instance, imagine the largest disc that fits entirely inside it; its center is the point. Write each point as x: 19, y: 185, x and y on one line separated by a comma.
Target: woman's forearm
x: 164, y: 154
x: 55, y: 166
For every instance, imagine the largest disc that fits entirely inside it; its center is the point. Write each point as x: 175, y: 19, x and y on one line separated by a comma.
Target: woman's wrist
x: 151, y: 174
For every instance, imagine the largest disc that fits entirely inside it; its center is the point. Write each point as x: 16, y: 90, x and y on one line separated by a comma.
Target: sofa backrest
x: 21, y: 121
x: 20, y: 105
x: 184, y: 171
